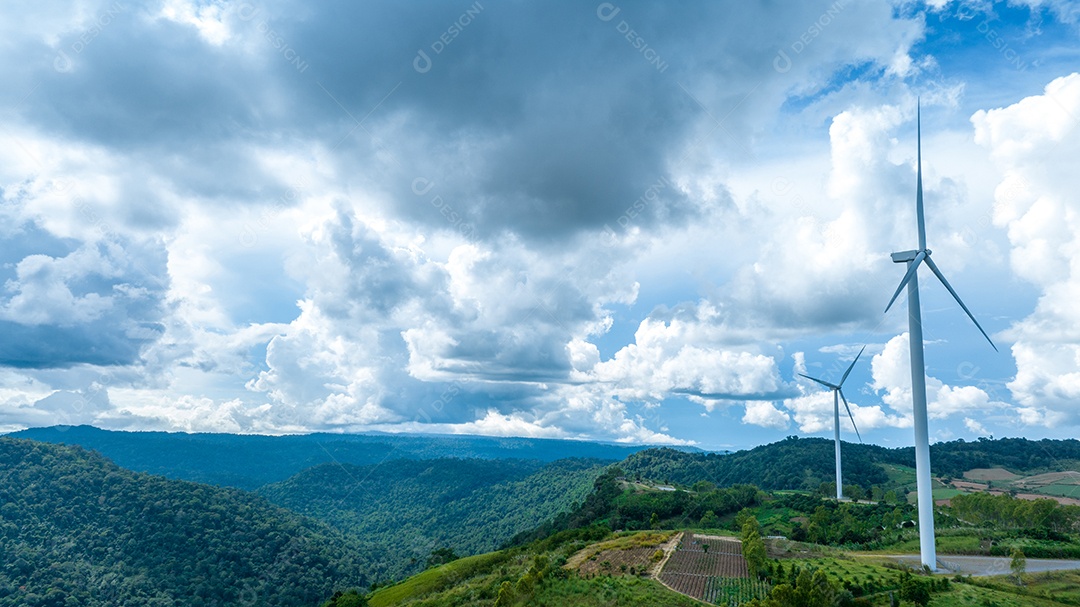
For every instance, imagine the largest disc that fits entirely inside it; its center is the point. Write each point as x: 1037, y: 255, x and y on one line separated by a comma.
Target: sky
x: 616, y: 221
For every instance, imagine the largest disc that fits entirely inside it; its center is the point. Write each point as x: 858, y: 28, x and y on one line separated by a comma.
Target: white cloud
x: 892, y: 374
x: 974, y: 426
x: 1034, y: 143
x: 452, y: 266
x: 687, y: 352
x: 813, y: 409
x: 765, y: 414
x: 206, y: 17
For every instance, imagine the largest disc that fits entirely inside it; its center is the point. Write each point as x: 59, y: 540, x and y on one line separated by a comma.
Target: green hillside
x: 586, y: 568
x: 805, y: 463
x: 77, y: 530
x: 413, y: 507
x: 532, y: 575
x: 788, y: 464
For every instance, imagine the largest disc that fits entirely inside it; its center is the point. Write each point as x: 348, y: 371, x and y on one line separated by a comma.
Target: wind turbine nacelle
x: 906, y: 256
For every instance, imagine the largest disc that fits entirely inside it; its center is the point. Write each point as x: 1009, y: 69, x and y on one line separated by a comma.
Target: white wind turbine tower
x: 918, y: 368
x: 837, y: 394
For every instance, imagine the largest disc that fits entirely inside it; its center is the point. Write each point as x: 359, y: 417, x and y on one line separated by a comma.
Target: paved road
x: 981, y: 565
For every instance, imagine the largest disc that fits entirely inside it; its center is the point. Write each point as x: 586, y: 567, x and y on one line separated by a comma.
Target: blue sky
x: 613, y: 221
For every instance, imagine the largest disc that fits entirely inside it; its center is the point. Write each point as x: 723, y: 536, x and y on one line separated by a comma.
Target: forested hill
x: 416, y: 507
x: 251, y: 461
x: 788, y: 464
x: 1017, y: 454
x: 805, y: 463
x: 75, y: 529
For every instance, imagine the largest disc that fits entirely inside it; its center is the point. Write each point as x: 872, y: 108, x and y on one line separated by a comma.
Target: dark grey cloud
x: 540, y: 119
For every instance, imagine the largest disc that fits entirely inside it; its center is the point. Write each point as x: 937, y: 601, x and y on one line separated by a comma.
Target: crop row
x: 697, y: 543
x: 733, y: 592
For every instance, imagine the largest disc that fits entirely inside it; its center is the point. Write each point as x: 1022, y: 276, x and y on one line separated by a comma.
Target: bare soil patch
x: 1069, y: 477
x: 990, y: 474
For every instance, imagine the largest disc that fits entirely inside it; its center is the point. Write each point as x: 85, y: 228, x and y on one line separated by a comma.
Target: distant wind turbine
x: 837, y: 394
x: 918, y: 368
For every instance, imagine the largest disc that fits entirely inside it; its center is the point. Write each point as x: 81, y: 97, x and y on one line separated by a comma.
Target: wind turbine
x: 837, y: 394
x: 918, y: 367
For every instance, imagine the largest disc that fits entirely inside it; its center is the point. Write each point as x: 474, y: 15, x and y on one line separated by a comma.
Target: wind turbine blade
x: 824, y: 383
x: 941, y: 277
x: 911, y: 272
x: 850, y: 367
x: 852, y: 417
x: 920, y: 216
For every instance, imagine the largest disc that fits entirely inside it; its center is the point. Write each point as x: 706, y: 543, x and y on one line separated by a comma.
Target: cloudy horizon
x: 616, y: 221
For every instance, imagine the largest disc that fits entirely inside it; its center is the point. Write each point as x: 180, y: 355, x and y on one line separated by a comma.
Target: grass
x: 775, y: 519
x: 966, y: 595
x: 1053, y: 588
x: 437, y: 579
x: 622, y: 541
x: 900, y: 477
x: 1060, y: 490
x: 475, y: 582
x: 603, y: 591
x: 945, y: 493
x: 990, y: 474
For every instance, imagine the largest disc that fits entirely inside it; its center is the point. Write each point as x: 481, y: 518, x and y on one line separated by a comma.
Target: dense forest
x: 413, y: 507
x: 806, y: 463
x: 788, y: 464
x: 77, y: 530
x: 251, y: 461
x: 612, y: 506
x: 1016, y: 454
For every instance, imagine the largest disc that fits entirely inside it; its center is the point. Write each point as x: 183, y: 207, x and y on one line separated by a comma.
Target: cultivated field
x: 1061, y: 486
x: 718, y: 571
x: 989, y: 474
x: 633, y: 553
x: 630, y: 561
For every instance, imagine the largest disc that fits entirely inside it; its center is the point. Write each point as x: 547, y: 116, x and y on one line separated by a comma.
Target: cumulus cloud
x: 429, y: 216
x: 766, y: 414
x: 1033, y: 143
x: 892, y: 375
x: 813, y: 408
x: 688, y: 351
x: 974, y: 426
x: 99, y: 303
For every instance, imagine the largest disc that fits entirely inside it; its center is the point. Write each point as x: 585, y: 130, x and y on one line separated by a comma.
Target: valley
x: 658, y: 527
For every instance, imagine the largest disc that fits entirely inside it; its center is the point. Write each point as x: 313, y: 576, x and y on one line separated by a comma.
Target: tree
x: 349, y: 598
x: 441, y: 556
x: 746, y: 522
x: 1018, y: 565
x: 654, y: 521
x: 506, y: 595
x: 703, y: 487
x: 710, y: 520
x: 854, y: 492
x: 809, y: 590
x: 915, y: 591
x: 753, y: 550
x: 744, y: 516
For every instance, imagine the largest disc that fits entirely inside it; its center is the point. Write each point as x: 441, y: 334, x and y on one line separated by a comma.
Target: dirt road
x: 979, y: 565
